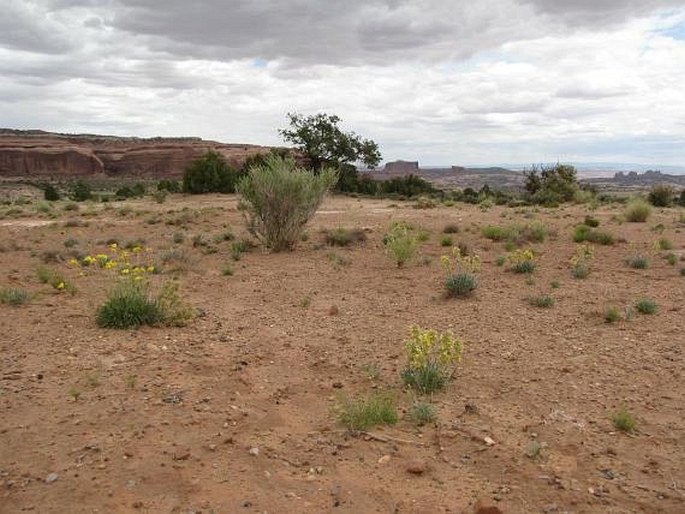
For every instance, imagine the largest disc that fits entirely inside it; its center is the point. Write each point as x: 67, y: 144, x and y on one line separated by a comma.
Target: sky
x: 442, y: 82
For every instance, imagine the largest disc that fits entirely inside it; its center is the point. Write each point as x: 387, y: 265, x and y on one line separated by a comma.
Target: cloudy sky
x: 444, y: 82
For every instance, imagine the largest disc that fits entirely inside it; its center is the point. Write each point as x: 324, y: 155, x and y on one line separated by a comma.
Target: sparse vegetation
x: 645, y: 306
x: 344, y: 237
x: 522, y: 261
x: 364, y: 412
x: 461, y: 272
x: 422, y: 413
x: 585, y: 233
x: 624, y: 420
x: 612, y: 315
x: 637, y: 211
x: 14, y: 296
x: 542, y: 301
x: 400, y: 243
x: 638, y: 262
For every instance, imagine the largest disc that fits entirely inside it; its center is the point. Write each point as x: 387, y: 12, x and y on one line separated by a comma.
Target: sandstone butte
x: 47, y: 155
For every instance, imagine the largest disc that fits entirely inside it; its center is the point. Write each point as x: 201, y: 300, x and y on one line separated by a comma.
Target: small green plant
x: 372, y: 371
x: 461, y: 272
x: 612, y: 315
x: 534, y: 450
x: 238, y: 248
x: 682, y: 272
x: 71, y: 242
x: 638, y: 262
x: 129, y: 305
x: 178, y: 237
x: 431, y: 359
x: 422, y: 413
x: 581, y: 261
x: 364, y: 412
x: 585, y: 233
x: 446, y: 241
x: 450, y: 228
x: 55, y: 280
x: 338, y: 261
x: 344, y: 237
x: 554, y: 284
x: 591, y: 222
x: 177, y: 260
x: 623, y: 420
x: 14, y: 296
x: 227, y: 270
x: 74, y: 393
x: 400, y: 244
x: 305, y: 302
x: 522, y: 261
x: 542, y: 301
x: 646, y: 306
x: 501, y: 260
x: 671, y: 259
x: 664, y: 244
x: 637, y: 211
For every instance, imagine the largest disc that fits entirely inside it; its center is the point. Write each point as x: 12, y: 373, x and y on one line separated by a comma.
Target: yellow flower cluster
x: 458, y: 262
x: 426, y: 347
x: 582, y: 255
x: 519, y: 256
x: 120, y: 261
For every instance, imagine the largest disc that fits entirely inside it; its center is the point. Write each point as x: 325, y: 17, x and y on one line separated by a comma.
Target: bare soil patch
x: 237, y: 411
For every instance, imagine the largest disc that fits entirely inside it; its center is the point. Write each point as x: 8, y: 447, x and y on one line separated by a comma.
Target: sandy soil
x: 167, y: 419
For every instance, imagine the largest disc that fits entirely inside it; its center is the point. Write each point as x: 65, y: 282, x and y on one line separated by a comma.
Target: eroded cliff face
x: 48, y: 155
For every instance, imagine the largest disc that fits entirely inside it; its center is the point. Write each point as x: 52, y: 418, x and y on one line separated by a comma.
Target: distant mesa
x: 40, y: 154
x: 401, y: 168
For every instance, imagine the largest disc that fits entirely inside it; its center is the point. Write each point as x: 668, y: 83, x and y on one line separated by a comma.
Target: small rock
x: 254, y: 451
x: 489, y: 441
x: 416, y: 466
x: 384, y: 459
x: 337, y: 385
x: 51, y: 478
x: 333, y: 310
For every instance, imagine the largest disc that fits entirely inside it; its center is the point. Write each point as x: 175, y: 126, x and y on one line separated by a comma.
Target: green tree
x: 551, y: 184
x: 209, y: 174
x: 81, y: 191
x: 324, y: 145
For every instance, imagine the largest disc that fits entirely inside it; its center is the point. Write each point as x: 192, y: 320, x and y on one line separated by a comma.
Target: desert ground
x: 238, y: 411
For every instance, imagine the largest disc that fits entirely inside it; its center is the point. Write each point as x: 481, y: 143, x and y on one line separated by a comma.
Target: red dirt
x: 166, y: 417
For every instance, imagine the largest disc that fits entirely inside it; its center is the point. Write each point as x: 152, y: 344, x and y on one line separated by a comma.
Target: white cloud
x: 444, y: 82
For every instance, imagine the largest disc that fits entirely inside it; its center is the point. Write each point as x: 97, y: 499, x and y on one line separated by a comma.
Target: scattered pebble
x: 51, y: 478
x: 254, y: 451
x: 416, y: 466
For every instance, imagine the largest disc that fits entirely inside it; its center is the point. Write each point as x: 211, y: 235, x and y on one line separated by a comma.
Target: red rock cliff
x: 34, y: 153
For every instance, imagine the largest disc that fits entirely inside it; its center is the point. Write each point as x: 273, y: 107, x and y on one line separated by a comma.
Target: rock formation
x: 35, y: 153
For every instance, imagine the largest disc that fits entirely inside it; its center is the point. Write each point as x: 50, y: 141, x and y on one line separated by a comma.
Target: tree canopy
x: 320, y: 139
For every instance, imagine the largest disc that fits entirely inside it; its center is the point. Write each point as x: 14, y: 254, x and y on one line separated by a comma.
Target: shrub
x: 238, y: 248
x: 551, y: 185
x: 364, y: 412
x: 682, y: 272
x: 612, y: 315
x: 664, y: 244
x: 638, y: 262
x: 135, y: 191
x: 446, y: 241
x: 422, y: 413
x: 209, y: 174
x: 542, y: 301
x: 344, y: 237
x: 522, y: 261
x: 623, y: 420
x: 431, y: 357
x: 461, y: 272
x: 130, y: 305
x: 645, y: 306
x: 14, y: 296
x: 400, y: 244
x: 495, y: 233
x: 280, y: 198
x: 172, y: 186
x: 177, y: 260
x: 585, y: 233
x: 461, y: 284
x: 661, y: 196
x: 450, y: 228
x: 591, y: 222
x: 637, y: 211
x: 580, y: 261
x: 50, y: 193
x: 80, y: 191
x: 671, y: 259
